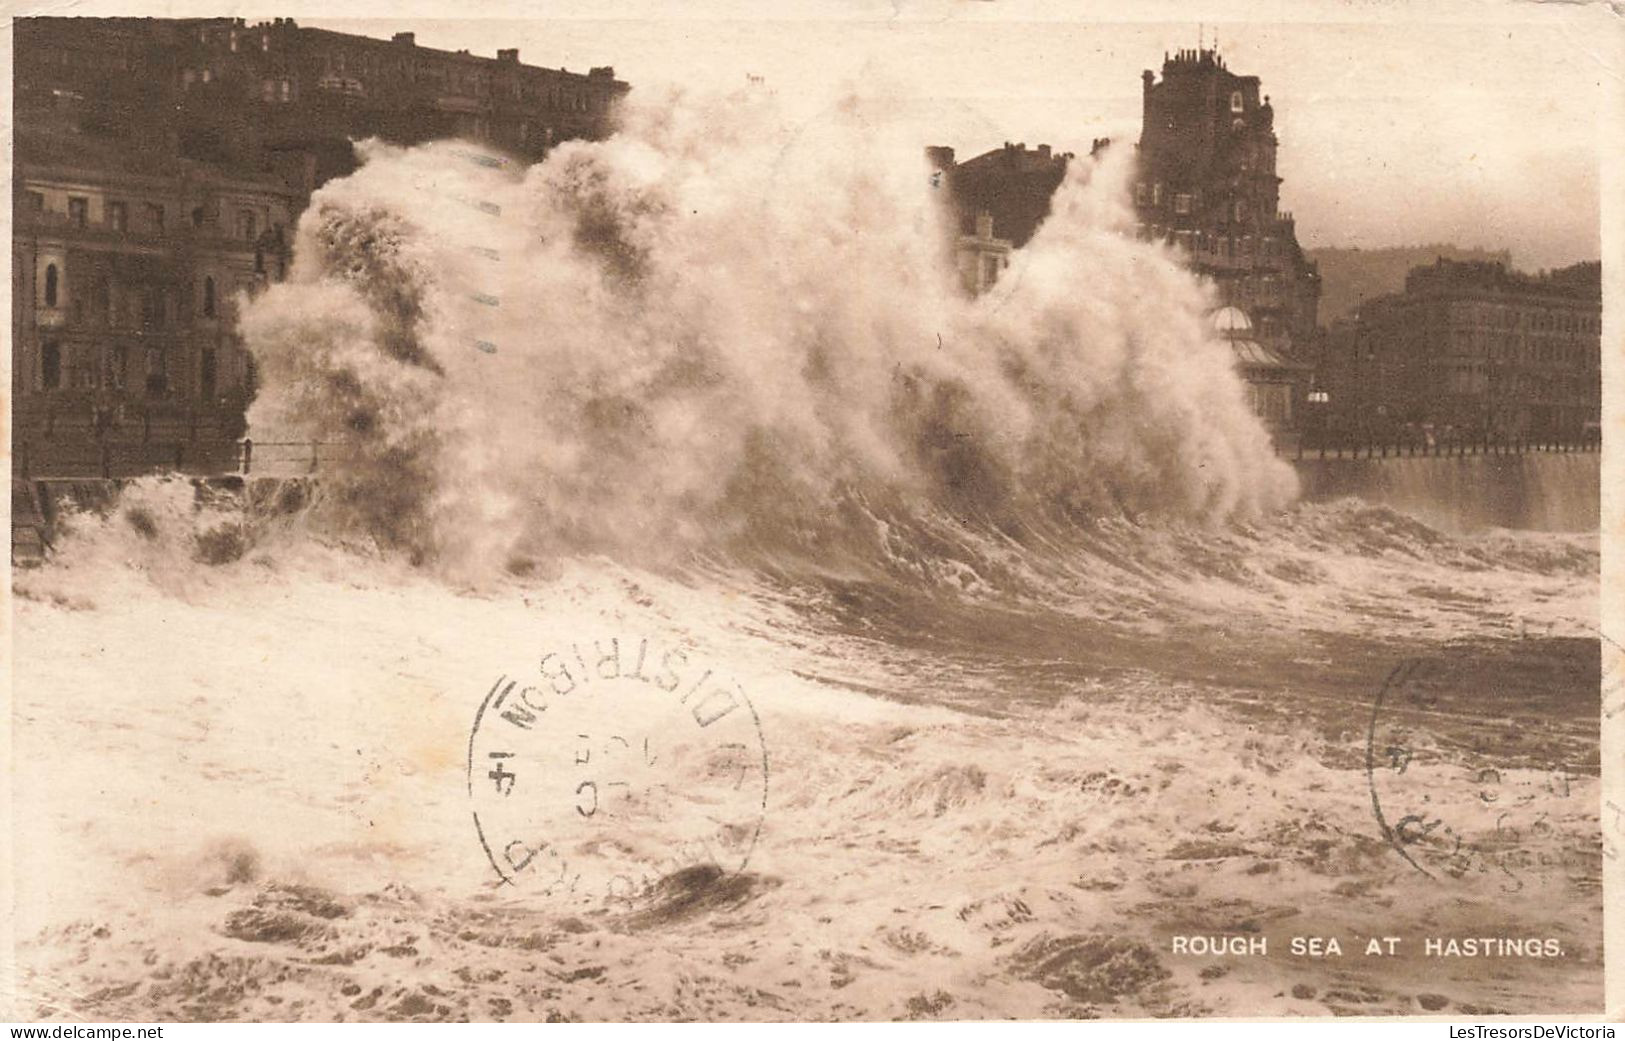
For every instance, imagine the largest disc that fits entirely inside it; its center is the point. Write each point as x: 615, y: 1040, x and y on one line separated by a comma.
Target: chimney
x: 510, y: 54
x: 1043, y: 152
x: 410, y: 39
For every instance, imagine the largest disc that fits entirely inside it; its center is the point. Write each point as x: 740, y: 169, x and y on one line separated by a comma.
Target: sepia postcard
x: 850, y: 511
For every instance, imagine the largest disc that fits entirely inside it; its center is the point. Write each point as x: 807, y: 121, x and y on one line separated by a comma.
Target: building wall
x: 981, y: 258
x: 1473, y: 350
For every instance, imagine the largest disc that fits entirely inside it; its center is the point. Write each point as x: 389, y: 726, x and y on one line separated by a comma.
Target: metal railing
x: 76, y: 459
x: 1404, y: 446
x: 85, y: 459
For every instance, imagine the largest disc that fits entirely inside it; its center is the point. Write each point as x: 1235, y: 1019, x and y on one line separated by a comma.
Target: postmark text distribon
x: 612, y: 763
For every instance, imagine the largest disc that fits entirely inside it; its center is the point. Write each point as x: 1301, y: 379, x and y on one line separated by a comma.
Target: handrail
x: 1331, y: 447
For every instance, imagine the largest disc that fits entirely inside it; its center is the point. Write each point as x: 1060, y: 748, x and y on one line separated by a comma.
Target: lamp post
x: 1318, y: 401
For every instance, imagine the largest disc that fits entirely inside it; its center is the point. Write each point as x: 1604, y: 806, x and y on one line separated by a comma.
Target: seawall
x: 37, y: 505
x: 1532, y: 491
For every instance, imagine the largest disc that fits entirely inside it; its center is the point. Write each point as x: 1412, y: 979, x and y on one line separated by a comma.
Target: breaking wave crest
x: 715, y: 334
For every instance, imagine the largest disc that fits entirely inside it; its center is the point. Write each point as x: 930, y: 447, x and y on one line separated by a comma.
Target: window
x: 35, y: 202
x: 267, y: 91
x: 1236, y: 104
x: 51, y: 278
x: 208, y: 296
x: 79, y: 211
x: 245, y: 225
x: 50, y: 366
x: 118, y: 216
x: 153, y: 307
x: 1182, y: 203
x: 1156, y: 194
x: 157, y: 380
x: 155, y: 217
x: 206, y: 374
x: 208, y: 75
x: 287, y: 91
x: 118, y: 370
x: 197, y: 217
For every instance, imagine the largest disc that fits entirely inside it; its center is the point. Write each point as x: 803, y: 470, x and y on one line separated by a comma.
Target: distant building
x: 160, y: 167
x: 1472, y: 350
x: 278, y: 96
x: 1350, y: 276
x: 981, y: 257
x: 1207, y: 183
x: 1012, y: 185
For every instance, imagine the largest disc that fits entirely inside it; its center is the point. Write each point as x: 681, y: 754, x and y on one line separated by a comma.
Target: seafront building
x: 160, y: 168
x: 1206, y: 183
x: 1471, y: 351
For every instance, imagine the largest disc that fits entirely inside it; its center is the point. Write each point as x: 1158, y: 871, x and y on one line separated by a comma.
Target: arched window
x: 208, y: 296
x: 50, y: 285
x: 1236, y: 104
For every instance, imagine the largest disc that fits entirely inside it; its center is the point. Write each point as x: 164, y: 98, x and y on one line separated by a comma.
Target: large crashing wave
x: 712, y: 330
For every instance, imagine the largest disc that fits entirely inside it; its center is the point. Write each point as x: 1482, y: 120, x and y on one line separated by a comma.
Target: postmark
x: 1477, y: 816
x: 611, y: 763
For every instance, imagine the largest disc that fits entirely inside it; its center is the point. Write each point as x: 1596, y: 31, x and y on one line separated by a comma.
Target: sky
x: 1478, y: 126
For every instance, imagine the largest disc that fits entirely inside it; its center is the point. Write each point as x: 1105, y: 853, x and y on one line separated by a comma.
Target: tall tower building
x: 1207, y: 183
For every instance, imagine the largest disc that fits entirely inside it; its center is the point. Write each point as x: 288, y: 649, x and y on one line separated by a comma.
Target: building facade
x: 125, y: 289
x: 1011, y: 185
x: 160, y: 167
x: 1207, y: 183
x: 1472, y: 351
x: 981, y: 257
x: 279, y: 97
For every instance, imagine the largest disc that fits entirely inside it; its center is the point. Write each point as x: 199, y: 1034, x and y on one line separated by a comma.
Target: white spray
x: 710, y: 327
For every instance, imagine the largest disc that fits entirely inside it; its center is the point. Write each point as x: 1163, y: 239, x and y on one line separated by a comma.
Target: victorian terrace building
x: 160, y: 169
x: 1472, y: 351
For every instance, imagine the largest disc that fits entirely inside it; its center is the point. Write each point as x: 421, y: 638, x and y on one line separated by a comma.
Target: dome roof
x: 1231, y: 322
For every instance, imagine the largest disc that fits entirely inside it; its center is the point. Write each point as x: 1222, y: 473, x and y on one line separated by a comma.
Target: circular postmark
x: 1453, y: 789
x: 615, y: 763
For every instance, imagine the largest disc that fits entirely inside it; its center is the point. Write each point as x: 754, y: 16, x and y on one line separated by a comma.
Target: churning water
x: 1049, y: 666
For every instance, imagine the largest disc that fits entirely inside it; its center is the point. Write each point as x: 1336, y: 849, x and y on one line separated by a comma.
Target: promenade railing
x: 81, y: 459
x: 1401, y: 446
